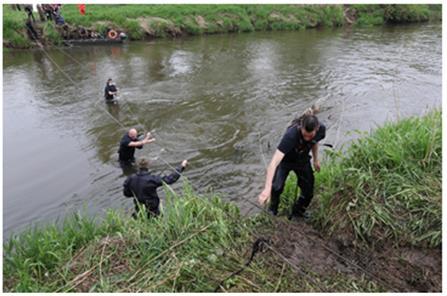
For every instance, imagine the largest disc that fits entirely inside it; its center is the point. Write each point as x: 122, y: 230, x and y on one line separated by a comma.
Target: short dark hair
x: 110, y: 79
x: 310, y: 123
x: 143, y: 163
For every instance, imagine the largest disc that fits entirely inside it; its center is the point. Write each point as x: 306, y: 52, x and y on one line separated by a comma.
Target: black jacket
x: 107, y: 89
x: 126, y: 153
x: 143, y: 185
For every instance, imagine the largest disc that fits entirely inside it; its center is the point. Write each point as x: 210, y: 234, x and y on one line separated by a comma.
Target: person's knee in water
x: 128, y: 144
x: 292, y: 153
x: 143, y: 185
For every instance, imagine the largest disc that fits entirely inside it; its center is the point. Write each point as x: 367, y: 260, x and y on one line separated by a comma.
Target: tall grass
x: 192, y: 247
x: 386, y: 188
x: 126, y: 254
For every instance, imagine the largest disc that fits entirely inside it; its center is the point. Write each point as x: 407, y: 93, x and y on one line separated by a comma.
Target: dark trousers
x: 152, y: 208
x: 305, y: 181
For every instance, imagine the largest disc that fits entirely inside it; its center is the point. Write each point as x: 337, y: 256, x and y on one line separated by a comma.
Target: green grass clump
x: 50, y: 32
x: 372, y: 15
x: 396, y: 13
x: 387, y: 187
x: 194, y: 246
x: 188, y: 242
x: 14, y: 30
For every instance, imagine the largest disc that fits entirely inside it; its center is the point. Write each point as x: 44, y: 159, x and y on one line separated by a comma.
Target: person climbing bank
x: 292, y: 154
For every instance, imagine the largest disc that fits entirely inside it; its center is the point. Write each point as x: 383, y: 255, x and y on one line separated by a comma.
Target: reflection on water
x: 222, y: 102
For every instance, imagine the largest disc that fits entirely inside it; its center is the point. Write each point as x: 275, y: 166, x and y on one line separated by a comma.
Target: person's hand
x: 264, y: 196
x: 184, y: 163
x: 148, y: 135
x: 317, y: 165
x: 149, y: 140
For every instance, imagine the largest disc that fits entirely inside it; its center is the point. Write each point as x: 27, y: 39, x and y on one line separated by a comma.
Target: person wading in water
x: 110, y: 91
x: 292, y: 154
x: 143, y: 187
x: 128, y: 144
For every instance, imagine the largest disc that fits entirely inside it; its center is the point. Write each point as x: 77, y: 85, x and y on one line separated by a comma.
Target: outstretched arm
x: 174, y: 176
x: 146, y: 140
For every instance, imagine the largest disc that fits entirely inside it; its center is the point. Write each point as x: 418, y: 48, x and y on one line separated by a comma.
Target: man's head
x: 109, y: 80
x: 133, y: 133
x: 309, y: 127
x: 143, y: 163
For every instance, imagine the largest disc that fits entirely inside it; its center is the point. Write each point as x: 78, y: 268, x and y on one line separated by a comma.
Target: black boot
x: 273, y: 210
x: 298, y: 209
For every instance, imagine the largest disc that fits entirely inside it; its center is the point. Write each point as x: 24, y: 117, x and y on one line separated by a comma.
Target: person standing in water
x: 110, y: 91
x: 143, y: 185
x: 128, y: 144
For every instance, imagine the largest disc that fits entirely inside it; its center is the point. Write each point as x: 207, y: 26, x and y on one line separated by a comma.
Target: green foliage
x: 14, y: 30
x: 396, y: 13
x: 50, y: 32
x: 388, y: 187
x: 189, y: 238
x: 219, y: 18
x: 134, y: 29
x: 370, y: 15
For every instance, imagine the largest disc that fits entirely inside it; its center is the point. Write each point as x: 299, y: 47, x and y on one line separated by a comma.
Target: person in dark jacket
x: 110, y: 91
x: 143, y: 185
x: 292, y: 154
x: 128, y: 144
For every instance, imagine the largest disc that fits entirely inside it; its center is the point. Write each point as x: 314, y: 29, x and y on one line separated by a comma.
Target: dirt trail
x: 393, y: 269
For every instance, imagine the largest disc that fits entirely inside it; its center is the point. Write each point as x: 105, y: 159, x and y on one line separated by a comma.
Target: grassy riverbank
x: 143, y: 22
x: 386, y: 188
x: 198, y: 243
x: 384, y: 191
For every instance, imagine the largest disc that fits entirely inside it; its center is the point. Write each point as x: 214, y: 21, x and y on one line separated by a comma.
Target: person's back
x: 143, y: 186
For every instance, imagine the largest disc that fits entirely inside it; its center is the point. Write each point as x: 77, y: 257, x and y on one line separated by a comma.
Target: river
x: 221, y: 101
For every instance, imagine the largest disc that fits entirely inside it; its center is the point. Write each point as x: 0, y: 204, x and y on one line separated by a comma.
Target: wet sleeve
x: 321, y: 134
x: 170, y: 179
x: 286, y: 144
x: 126, y: 188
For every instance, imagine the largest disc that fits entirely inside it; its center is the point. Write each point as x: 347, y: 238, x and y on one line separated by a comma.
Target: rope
x: 57, y: 66
x: 257, y: 246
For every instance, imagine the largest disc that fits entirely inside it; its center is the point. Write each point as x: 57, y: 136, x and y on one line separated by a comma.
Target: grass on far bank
x: 142, y: 21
